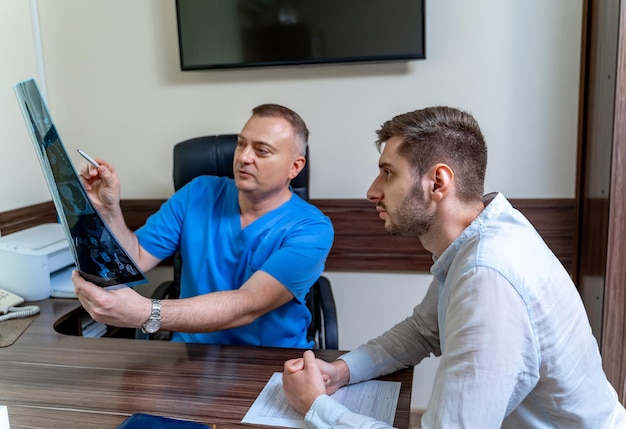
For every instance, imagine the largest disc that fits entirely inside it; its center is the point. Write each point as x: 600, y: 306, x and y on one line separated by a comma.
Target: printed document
x: 374, y: 398
x: 4, y: 417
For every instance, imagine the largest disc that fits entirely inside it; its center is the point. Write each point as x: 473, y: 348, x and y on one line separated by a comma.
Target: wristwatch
x: 153, y: 324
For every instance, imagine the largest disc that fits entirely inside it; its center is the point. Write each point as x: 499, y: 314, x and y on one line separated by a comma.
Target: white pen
x: 88, y: 158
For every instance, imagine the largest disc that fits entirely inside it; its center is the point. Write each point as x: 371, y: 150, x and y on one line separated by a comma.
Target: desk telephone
x: 9, y: 306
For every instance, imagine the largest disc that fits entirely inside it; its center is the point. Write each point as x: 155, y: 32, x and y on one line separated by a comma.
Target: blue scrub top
x: 290, y: 243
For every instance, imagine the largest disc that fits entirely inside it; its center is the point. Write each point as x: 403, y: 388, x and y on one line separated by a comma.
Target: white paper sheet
x: 373, y: 398
x: 61, y: 285
x: 4, y: 417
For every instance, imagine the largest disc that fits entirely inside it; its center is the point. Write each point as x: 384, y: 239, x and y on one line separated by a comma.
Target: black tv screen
x: 256, y: 33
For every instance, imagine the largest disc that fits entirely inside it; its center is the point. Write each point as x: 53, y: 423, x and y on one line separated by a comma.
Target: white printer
x: 37, y: 263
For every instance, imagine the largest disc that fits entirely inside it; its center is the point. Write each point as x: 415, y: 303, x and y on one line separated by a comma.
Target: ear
x: 442, y: 179
x: 296, y: 167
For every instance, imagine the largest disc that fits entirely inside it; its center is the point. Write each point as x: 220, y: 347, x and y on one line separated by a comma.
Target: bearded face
x: 411, y: 217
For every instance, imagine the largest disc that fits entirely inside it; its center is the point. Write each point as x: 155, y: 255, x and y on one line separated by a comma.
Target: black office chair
x: 213, y: 155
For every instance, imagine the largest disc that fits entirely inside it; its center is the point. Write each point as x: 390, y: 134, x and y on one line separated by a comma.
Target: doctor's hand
x: 122, y: 307
x: 102, y: 184
x: 306, y: 378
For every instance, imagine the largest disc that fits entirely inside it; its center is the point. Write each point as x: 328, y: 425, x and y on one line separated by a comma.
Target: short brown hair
x: 300, y: 130
x: 441, y: 134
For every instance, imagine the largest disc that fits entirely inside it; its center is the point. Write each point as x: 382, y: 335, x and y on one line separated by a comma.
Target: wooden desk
x: 51, y: 380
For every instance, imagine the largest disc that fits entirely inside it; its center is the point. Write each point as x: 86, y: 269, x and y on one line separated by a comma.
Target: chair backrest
x: 213, y: 155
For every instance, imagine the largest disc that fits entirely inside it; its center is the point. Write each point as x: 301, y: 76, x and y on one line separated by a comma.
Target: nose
x: 244, y: 154
x: 374, y: 193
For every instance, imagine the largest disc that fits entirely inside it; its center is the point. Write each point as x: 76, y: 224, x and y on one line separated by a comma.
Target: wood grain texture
x: 362, y: 244
x: 601, y: 182
x: 27, y: 217
x: 50, y: 380
x: 614, y: 320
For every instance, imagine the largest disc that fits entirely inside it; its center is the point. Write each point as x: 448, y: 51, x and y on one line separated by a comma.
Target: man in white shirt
x: 516, y: 346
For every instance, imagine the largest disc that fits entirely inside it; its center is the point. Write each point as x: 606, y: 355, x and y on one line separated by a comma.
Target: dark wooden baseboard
x: 361, y: 243
x: 27, y: 217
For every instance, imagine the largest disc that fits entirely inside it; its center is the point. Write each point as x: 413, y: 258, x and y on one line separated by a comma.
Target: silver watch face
x: 152, y: 326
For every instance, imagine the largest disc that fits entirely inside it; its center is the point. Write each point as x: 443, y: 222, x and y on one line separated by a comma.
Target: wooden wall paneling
x: 137, y: 211
x: 361, y: 242
x: 614, y: 318
x: 601, y: 189
x: 27, y: 217
x: 597, y: 99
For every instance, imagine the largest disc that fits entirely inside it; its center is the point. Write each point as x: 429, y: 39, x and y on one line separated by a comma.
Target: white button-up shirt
x: 516, y: 346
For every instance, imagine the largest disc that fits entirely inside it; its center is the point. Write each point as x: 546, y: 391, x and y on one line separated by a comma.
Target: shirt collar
x: 494, y: 203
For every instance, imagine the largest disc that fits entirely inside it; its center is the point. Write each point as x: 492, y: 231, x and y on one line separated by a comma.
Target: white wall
x: 116, y: 91
x: 18, y: 59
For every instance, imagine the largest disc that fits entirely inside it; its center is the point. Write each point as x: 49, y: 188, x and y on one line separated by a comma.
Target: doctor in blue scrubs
x: 251, y: 247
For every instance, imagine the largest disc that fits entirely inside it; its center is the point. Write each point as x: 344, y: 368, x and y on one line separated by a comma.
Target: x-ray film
x: 99, y: 256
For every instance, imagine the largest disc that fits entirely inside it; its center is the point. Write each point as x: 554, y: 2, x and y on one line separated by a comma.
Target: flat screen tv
x: 214, y: 34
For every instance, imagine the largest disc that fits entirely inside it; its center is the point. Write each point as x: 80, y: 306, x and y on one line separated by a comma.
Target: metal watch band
x: 153, y: 324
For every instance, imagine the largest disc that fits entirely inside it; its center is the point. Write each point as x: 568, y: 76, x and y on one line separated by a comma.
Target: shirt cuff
x: 324, y: 413
x: 360, y: 365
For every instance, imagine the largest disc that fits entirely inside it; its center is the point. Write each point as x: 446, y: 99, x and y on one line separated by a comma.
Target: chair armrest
x: 330, y: 333
x: 168, y: 289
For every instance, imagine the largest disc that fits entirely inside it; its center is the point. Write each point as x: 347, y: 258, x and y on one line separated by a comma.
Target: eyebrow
x: 258, y: 143
x: 253, y: 142
x: 384, y: 164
